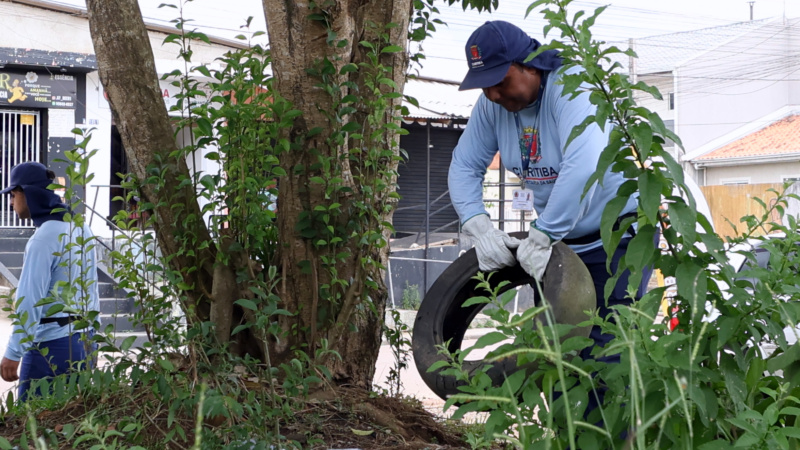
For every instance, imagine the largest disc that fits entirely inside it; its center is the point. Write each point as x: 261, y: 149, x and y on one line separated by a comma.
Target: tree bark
x: 297, y: 43
x: 353, y: 326
x: 128, y: 73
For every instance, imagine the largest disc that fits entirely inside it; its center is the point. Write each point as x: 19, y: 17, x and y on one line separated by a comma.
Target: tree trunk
x: 298, y: 43
x: 353, y: 324
x: 127, y: 71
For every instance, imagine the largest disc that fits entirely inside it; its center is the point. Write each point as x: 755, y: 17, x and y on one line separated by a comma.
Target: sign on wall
x: 37, y: 90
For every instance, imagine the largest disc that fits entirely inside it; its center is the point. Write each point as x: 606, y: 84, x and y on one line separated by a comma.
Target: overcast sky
x: 624, y: 19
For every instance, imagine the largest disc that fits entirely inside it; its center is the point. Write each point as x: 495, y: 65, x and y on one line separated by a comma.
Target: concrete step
x: 16, y: 271
x: 120, y: 322
x: 108, y: 290
x: 102, y: 277
x: 11, y: 259
x: 141, y: 338
x: 17, y: 232
x: 117, y: 306
x: 16, y: 244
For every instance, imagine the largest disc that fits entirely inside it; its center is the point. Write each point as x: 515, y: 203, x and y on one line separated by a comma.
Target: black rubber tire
x: 567, y: 285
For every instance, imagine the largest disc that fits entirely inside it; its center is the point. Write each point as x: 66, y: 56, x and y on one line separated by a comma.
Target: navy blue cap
x: 28, y: 174
x: 494, y: 46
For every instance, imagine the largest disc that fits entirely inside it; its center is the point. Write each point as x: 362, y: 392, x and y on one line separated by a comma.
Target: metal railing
x: 19, y: 142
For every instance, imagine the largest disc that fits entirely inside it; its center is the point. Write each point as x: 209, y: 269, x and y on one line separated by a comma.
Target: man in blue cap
x: 53, y: 259
x: 523, y: 115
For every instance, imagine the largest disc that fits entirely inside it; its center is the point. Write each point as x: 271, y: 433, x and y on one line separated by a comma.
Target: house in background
x: 47, y: 48
x: 767, y: 155
x: 719, y: 84
x: 434, y: 128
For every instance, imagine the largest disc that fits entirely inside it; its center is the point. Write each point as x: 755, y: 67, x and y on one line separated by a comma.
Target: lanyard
x: 532, y: 147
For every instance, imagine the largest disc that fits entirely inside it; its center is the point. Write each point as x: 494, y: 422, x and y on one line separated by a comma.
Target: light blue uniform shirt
x: 41, y: 270
x: 556, y: 175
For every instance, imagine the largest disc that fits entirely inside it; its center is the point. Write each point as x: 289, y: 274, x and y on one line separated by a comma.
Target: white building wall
x: 734, y: 84
x: 794, y: 42
x: 664, y: 83
x: 752, y: 173
x: 98, y: 117
x: 29, y: 27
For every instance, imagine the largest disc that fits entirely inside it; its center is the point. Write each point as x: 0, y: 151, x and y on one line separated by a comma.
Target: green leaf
x: 55, y: 309
x: 362, y: 432
x: 205, y: 126
x: 127, y: 343
x: 246, y: 303
x: 609, y: 217
x: 438, y: 365
x: 641, y: 249
x: 643, y: 136
x: 793, y: 432
x: 533, y: 6
x: 755, y: 373
x: 475, y: 301
x: 650, y: 187
x: 783, y: 360
x: 692, y: 287
x: 490, y: 339
x: 771, y: 414
x: 392, y: 49
x: 577, y: 130
x: 790, y: 411
x: 514, y: 382
x: 589, y: 441
x: 684, y: 219
x: 347, y: 68
x: 727, y: 328
x: 4, y: 444
x: 734, y: 378
x: 576, y: 343
x: 166, y: 364
x: 349, y: 127
x: 715, y: 445
x: 748, y: 440
x: 674, y: 170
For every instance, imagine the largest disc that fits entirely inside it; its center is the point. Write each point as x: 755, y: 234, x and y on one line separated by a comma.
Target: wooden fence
x: 733, y: 202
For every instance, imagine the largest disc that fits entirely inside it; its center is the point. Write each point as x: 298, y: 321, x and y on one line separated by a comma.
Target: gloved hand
x: 533, y: 253
x: 491, y: 244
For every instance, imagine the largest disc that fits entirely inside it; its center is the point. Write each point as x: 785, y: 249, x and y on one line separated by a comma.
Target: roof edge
x: 750, y: 160
x: 434, y: 80
x: 746, y: 129
x: 82, y: 13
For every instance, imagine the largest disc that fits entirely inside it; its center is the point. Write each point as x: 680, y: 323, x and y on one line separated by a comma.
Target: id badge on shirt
x: 522, y: 200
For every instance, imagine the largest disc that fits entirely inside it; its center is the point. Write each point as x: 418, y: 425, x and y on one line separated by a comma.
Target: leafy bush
x: 712, y: 383
x: 411, y: 297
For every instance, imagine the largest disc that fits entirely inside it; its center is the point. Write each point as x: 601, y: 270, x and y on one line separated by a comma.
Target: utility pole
x: 632, y: 61
x: 751, y: 10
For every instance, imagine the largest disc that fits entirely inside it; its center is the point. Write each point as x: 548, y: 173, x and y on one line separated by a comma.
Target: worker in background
x: 523, y: 115
x: 48, y: 264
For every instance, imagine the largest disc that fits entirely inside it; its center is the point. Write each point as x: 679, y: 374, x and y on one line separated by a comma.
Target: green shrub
x: 713, y: 382
x: 411, y: 297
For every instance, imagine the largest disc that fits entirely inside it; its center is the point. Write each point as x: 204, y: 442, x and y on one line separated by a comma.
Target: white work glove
x: 492, y: 245
x: 533, y: 253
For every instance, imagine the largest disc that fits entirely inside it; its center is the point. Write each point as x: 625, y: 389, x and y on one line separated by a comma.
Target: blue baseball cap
x: 494, y: 46
x: 27, y: 174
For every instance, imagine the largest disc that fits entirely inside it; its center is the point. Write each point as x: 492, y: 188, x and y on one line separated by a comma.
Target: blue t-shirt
x: 556, y: 175
x: 46, y: 262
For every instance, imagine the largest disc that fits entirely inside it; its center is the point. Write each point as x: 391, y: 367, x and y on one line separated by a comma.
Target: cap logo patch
x: 475, y: 51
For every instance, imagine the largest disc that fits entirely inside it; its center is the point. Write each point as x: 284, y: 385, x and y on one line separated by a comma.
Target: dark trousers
x: 595, y: 261
x: 63, y: 356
